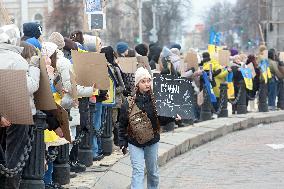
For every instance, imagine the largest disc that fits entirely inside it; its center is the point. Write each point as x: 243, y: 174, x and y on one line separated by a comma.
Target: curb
x: 184, y: 139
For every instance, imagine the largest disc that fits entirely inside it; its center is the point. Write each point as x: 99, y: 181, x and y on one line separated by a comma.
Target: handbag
x: 140, y: 126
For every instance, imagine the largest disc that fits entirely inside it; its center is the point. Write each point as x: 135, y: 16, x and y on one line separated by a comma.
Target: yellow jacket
x: 220, y: 78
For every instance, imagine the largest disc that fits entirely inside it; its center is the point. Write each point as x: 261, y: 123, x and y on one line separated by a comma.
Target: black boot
x: 77, y: 167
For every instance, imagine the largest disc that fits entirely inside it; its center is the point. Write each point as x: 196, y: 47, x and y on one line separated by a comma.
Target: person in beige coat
x: 13, y: 137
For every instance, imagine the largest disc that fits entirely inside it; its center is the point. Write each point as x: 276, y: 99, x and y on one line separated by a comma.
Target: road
x: 241, y: 160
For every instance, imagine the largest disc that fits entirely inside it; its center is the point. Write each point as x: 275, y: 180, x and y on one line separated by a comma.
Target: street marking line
x: 276, y: 146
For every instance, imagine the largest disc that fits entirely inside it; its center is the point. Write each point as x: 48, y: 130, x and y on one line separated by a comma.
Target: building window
x: 38, y: 18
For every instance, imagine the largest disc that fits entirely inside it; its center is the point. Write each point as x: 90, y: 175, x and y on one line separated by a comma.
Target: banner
x: 208, y: 86
x: 247, y: 75
x: 43, y: 96
x: 111, y: 95
x: 191, y: 60
x: 224, y: 57
x: 90, y: 68
x: 264, y: 68
x: 128, y: 64
x: 231, y: 89
x: 174, y: 95
x: 281, y: 56
x: 14, y: 97
x: 251, y: 67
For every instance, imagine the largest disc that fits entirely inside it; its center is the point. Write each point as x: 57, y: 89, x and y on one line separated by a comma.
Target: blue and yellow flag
x: 231, y: 89
x: 265, y: 70
x: 111, y: 95
x: 209, y: 88
x: 247, y: 75
x: 57, y: 97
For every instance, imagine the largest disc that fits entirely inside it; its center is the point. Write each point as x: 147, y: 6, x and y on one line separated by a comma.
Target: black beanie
x: 142, y: 49
x: 205, y: 55
x: 32, y: 29
x: 108, y: 54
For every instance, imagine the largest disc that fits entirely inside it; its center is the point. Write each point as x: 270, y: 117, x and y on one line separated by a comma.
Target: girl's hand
x: 4, y: 122
x: 178, y: 118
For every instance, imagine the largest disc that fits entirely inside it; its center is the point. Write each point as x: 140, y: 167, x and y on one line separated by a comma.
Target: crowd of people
x: 136, y: 123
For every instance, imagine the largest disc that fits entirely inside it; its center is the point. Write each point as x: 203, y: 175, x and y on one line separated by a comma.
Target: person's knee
x: 138, y: 169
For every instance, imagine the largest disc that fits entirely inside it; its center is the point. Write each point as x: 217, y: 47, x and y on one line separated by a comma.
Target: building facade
x: 21, y: 11
x: 275, y: 25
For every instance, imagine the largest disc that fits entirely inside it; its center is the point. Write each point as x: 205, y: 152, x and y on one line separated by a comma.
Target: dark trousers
x: 12, y: 142
x: 73, y: 156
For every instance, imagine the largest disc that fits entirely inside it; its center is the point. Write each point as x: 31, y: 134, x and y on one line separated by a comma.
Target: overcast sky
x: 198, y: 9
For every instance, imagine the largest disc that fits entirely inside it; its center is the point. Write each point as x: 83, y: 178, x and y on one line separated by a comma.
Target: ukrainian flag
x: 209, y: 88
x: 56, y: 95
x: 265, y: 71
x: 247, y: 75
x: 231, y: 90
x: 111, y: 93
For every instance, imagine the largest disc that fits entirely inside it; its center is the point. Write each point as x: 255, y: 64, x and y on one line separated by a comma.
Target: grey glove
x: 35, y: 60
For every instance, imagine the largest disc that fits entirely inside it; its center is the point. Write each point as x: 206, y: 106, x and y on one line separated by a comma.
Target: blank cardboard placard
x: 74, y: 92
x: 63, y: 119
x: 251, y: 67
x: 128, y: 64
x: 43, y: 96
x: 191, y: 60
x: 281, y: 56
x: 90, y: 68
x: 143, y: 62
x: 224, y: 57
x: 14, y: 97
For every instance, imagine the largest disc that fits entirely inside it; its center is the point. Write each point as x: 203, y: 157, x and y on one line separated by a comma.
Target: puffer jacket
x: 219, y: 78
x: 11, y: 59
x: 63, y: 67
x: 144, y: 103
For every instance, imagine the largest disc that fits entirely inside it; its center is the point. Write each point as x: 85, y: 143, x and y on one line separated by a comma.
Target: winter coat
x: 63, y: 67
x: 216, y: 70
x: 11, y: 59
x: 275, y: 69
x: 220, y: 78
x: 144, y: 103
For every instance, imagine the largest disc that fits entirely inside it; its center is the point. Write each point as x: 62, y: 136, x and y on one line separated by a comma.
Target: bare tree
x: 242, y: 19
x: 170, y: 16
x: 66, y: 16
x: 122, y: 22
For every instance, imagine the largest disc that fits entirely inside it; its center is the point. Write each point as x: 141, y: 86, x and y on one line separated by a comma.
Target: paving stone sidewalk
x: 114, y: 172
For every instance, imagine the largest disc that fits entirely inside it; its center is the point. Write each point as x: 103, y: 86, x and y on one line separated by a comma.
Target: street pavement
x: 249, y: 159
x: 114, y: 172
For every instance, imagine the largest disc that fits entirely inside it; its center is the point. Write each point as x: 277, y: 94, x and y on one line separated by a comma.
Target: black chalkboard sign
x: 174, y: 95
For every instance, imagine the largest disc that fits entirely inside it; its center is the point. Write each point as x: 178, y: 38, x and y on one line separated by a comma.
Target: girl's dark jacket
x: 144, y: 103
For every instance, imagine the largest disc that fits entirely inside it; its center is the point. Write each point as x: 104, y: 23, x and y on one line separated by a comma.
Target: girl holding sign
x: 139, y: 130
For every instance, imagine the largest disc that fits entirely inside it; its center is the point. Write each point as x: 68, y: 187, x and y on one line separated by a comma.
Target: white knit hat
x: 58, y: 39
x: 9, y: 34
x: 141, y: 73
x: 48, y: 48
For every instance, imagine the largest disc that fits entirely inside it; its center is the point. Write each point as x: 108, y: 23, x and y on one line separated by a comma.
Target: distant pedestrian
x: 122, y: 49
